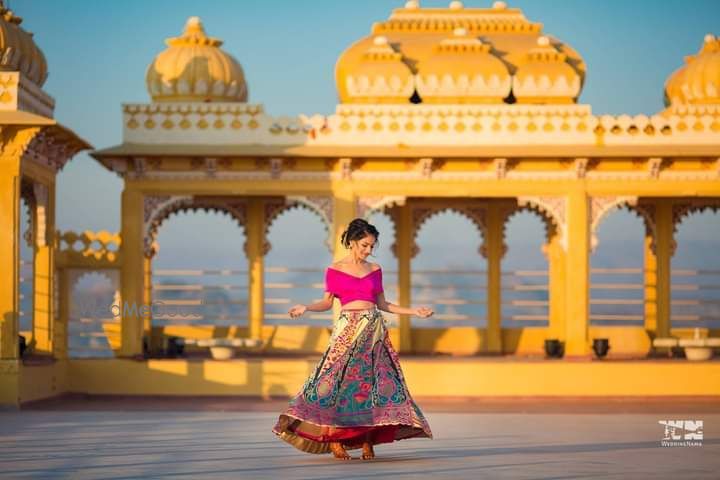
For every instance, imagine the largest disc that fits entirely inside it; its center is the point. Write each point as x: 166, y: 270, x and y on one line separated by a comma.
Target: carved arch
x: 421, y: 214
x: 646, y: 212
x: 366, y: 206
x: 112, y: 275
x: 684, y: 209
x: 157, y: 209
x: 321, y: 205
x: 550, y: 227
x: 552, y: 210
x: 600, y: 207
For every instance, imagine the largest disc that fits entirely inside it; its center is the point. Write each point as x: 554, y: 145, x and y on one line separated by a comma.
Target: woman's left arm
x: 386, y: 306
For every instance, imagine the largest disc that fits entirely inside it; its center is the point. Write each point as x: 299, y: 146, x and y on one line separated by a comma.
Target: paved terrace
x: 97, y: 437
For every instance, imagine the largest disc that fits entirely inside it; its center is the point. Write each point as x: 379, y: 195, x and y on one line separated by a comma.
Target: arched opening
x: 449, y: 274
x: 616, y: 271
x: 295, y: 267
x: 525, y: 291
x: 199, y: 274
x: 93, y: 324
x: 695, y: 301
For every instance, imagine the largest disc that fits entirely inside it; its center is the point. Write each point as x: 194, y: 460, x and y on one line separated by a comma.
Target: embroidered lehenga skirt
x: 356, y: 392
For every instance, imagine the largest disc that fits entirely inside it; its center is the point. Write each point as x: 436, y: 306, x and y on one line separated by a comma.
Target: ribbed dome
x: 698, y: 81
x: 448, y: 68
x: 546, y: 77
x: 379, y: 76
x: 462, y: 70
x: 18, y: 51
x: 194, y: 68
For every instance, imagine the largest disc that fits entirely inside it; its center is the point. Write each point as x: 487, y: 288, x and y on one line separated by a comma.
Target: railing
x: 618, y: 297
x: 695, y: 298
x: 194, y: 297
x: 459, y: 297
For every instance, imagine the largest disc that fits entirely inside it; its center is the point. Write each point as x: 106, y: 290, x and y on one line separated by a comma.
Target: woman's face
x: 363, y: 247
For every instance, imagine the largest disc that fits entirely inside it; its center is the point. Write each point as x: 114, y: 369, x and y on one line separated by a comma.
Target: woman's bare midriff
x: 358, y: 305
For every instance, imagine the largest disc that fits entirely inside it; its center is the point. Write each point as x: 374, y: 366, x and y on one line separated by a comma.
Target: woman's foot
x: 367, y: 451
x: 338, y: 451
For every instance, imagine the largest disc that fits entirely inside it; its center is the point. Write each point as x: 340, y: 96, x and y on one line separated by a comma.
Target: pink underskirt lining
x: 378, y: 434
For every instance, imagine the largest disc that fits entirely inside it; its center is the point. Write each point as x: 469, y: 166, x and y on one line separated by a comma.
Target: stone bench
x: 222, y: 348
x: 695, y: 348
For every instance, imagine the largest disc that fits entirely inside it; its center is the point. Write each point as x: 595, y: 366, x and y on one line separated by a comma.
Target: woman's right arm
x: 321, y: 306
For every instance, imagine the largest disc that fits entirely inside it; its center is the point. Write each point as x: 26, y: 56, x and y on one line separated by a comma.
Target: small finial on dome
x: 543, y: 41
x: 709, y: 38
x: 194, y: 25
x: 456, y: 5
x: 460, y: 32
x: 380, y: 40
x: 499, y: 5
x: 412, y: 4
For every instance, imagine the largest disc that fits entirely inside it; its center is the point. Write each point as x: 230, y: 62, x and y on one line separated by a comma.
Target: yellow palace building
x: 472, y: 110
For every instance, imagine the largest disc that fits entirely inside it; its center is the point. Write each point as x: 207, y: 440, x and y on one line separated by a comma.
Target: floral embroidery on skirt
x: 356, y: 391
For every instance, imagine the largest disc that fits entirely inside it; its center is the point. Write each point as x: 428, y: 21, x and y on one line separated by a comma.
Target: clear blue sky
x: 98, y: 51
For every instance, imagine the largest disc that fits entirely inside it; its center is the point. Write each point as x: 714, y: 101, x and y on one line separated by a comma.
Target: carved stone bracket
x: 685, y: 208
x: 654, y: 167
x: 276, y: 166
x: 552, y: 208
x: 323, y: 206
x: 581, y: 166
x: 501, y: 167
x: 425, y: 167
x: 157, y: 208
x: 346, y: 167
x: 366, y: 206
x: 422, y: 213
x: 600, y: 207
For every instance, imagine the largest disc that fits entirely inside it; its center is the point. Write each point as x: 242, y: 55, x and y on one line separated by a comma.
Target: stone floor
x: 106, y: 440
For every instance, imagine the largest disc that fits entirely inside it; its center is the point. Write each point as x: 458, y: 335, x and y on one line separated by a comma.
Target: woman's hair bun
x: 358, y: 229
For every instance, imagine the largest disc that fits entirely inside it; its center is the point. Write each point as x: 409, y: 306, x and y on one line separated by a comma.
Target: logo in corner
x: 682, y: 433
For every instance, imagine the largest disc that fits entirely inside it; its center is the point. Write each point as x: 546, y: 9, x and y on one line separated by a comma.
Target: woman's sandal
x: 339, y: 451
x: 367, y: 451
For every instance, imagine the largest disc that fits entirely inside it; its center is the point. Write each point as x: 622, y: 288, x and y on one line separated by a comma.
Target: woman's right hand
x: 297, y: 310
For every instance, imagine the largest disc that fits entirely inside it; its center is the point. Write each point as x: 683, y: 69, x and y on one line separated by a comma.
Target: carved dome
x: 194, y: 68
x: 18, y: 51
x: 698, y: 81
x: 463, y: 70
x: 546, y: 77
x: 454, y: 53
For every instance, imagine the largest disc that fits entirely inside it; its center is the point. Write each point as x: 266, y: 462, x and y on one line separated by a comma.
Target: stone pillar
x: 13, y: 142
x: 556, y: 287
x: 344, y: 212
x: 43, y: 270
x: 650, y: 281
x: 147, y: 300
x: 404, y: 243
x: 255, y: 251
x: 60, y: 345
x: 133, y: 311
x: 10, y: 256
x: 664, y: 251
x: 494, y: 250
x: 577, y: 267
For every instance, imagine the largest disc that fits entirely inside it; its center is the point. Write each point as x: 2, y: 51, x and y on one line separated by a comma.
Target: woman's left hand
x: 424, y: 312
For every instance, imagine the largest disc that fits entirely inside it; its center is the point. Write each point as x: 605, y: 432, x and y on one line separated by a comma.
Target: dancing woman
x: 356, y: 397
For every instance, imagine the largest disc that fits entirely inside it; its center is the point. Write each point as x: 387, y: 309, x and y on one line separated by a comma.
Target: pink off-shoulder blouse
x: 348, y: 287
